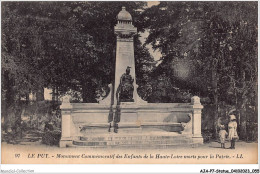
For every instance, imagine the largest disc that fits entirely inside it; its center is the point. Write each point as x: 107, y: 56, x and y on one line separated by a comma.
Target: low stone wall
x: 83, y: 119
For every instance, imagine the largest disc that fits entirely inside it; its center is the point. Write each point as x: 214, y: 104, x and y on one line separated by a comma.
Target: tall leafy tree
x: 220, y: 49
x: 62, y: 45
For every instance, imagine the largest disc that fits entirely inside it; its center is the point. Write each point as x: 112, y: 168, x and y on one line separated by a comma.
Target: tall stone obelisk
x: 125, y: 32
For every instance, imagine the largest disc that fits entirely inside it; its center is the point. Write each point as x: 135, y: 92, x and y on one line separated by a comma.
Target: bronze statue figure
x: 126, y: 88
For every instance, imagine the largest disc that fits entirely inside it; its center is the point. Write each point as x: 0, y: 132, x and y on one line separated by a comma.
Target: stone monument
x: 135, y: 122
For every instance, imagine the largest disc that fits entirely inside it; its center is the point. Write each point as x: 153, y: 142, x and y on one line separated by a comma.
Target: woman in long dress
x: 232, y: 131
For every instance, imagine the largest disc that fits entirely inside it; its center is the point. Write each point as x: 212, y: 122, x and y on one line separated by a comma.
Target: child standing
x: 222, y: 135
x: 232, y: 131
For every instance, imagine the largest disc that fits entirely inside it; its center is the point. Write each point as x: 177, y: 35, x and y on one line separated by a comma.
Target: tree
x: 62, y: 45
x: 145, y: 64
x: 220, y: 46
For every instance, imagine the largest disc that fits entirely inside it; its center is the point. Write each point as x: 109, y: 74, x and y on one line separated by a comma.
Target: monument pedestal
x: 159, y: 125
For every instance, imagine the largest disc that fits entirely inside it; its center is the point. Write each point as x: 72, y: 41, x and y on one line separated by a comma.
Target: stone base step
x: 139, y: 146
x: 133, y: 139
x: 145, y: 143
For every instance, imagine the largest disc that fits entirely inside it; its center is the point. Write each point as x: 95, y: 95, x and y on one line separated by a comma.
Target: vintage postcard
x: 129, y: 82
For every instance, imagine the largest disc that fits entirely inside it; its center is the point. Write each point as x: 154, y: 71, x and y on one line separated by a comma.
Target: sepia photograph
x: 129, y: 82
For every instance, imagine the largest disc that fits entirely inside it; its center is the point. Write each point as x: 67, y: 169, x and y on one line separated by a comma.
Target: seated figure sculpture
x: 126, y: 88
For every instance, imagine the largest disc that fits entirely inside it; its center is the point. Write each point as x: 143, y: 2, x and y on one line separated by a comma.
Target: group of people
x: 232, y: 132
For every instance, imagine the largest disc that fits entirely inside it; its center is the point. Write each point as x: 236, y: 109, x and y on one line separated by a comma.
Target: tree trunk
x: 214, y: 83
x: 13, y: 105
x: 215, y: 95
x: 243, y: 123
x: 18, y: 118
x: 242, y: 107
x: 27, y: 98
x: 53, y: 94
x: 40, y: 94
x: 9, y: 98
x: 56, y: 94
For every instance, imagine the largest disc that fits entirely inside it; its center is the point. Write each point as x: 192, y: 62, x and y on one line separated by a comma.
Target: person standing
x: 232, y: 131
x: 222, y: 136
